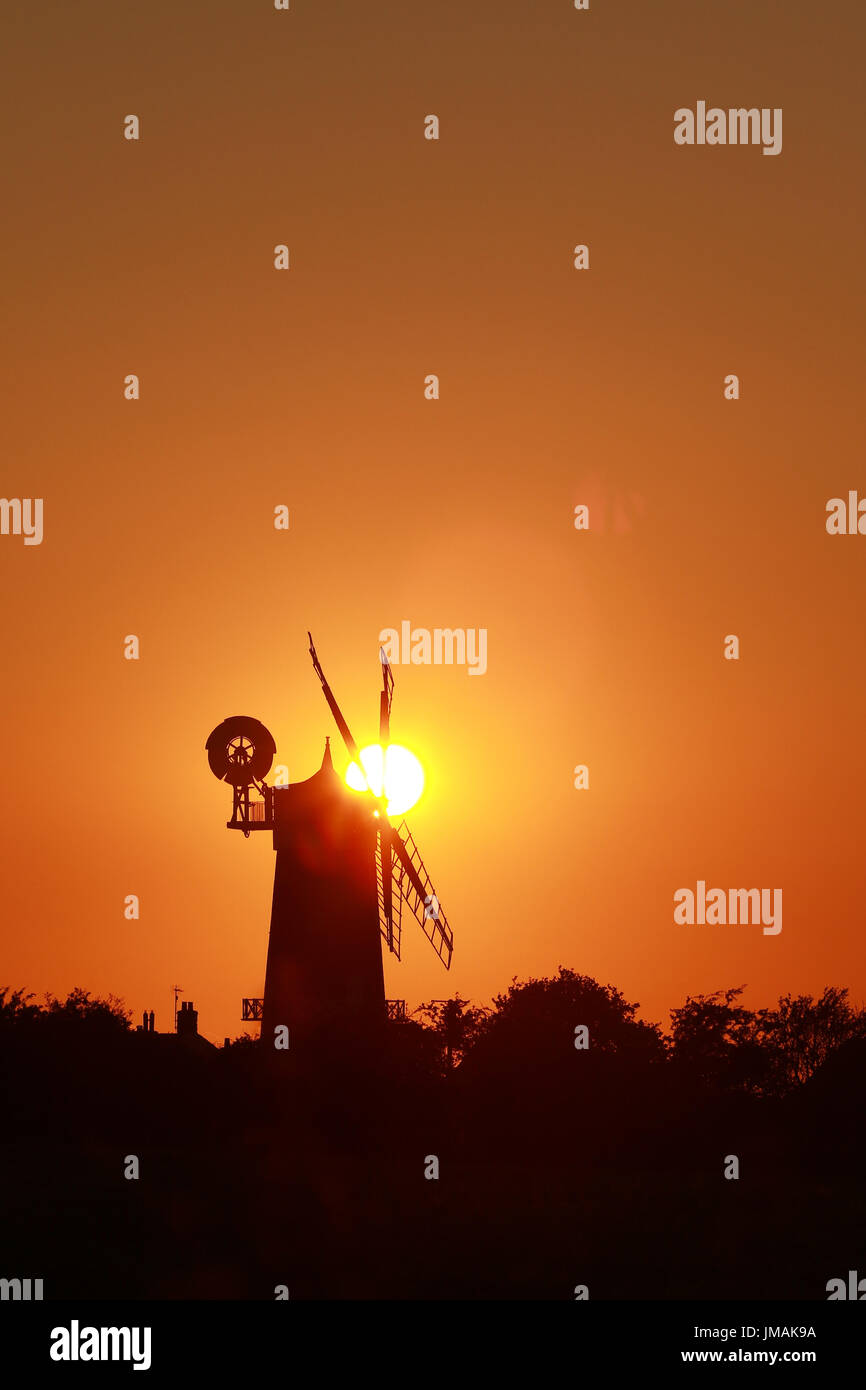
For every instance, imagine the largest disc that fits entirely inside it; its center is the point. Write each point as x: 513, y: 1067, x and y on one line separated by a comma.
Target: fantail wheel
x: 240, y: 751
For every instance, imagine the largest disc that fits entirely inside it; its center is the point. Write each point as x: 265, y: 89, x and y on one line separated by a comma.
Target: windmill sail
x: 389, y: 895
x: 417, y: 890
x: 350, y: 743
x: 385, y: 698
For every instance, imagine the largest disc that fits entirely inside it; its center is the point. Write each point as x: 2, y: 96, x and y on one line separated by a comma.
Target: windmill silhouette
x: 343, y: 872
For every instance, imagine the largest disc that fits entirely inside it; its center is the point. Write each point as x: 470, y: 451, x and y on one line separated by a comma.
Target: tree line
x: 713, y: 1041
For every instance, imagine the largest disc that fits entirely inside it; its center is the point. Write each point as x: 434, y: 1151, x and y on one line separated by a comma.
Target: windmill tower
x: 343, y: 872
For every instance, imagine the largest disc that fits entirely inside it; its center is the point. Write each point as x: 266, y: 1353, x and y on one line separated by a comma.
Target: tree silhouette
x: 103, y: 1015
x: 15, y: 1009
x: 803, y: 1032
x: 541, y: 1013
x: 456, y: 1023
x: 720, y: 1044
x: 724, y: 1046
x: 79, y: 1011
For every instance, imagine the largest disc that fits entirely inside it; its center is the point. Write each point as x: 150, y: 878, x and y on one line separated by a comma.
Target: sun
x: 395, y: 768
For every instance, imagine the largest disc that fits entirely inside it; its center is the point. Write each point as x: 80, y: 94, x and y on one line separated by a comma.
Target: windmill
x: 344, y: 869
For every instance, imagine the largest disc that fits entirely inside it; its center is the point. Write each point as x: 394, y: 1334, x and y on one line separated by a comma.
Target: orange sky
x: 558, y: 387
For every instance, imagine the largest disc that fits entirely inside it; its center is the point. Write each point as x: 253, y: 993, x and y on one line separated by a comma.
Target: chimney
x: 187, y: 1019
